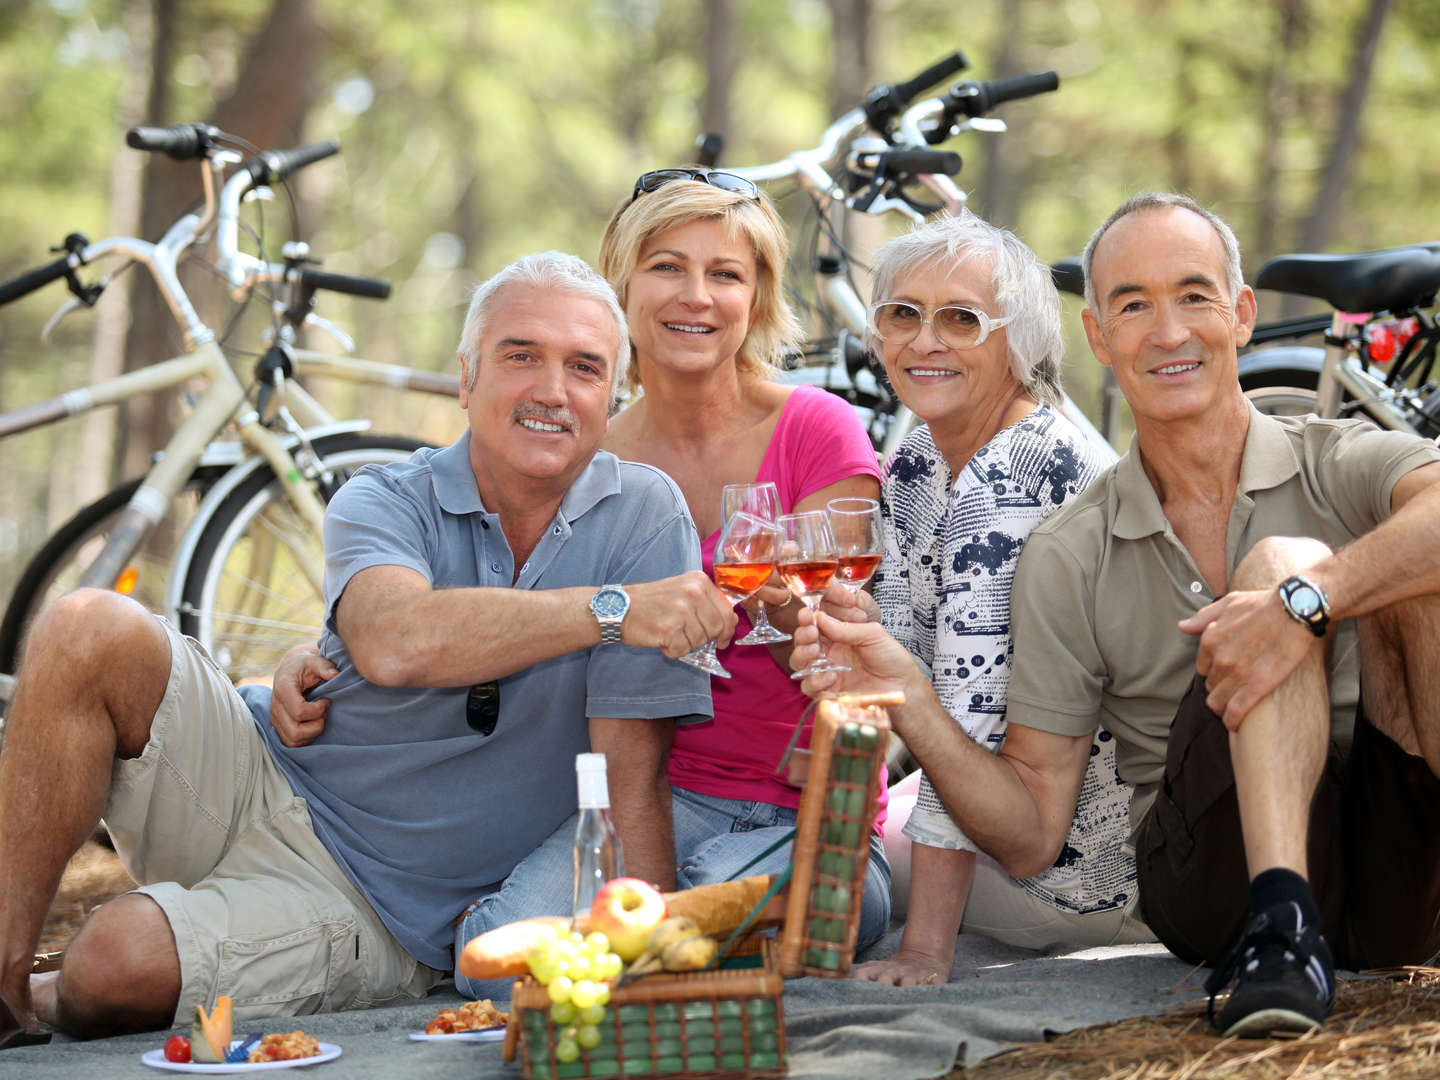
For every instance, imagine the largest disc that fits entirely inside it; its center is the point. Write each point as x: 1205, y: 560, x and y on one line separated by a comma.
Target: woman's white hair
x: 1024, y: 291
x: 545, y: 270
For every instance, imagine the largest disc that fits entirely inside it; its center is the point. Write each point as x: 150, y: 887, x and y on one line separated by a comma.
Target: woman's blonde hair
x: 773, y: 326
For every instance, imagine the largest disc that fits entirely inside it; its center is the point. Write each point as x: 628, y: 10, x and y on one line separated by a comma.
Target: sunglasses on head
x: 658, y: 178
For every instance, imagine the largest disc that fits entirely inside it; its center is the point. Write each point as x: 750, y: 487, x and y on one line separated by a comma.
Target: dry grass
x: 1381, y: 1027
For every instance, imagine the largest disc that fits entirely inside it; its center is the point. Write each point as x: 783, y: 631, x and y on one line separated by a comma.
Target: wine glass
x: 859, y: 540
x: 808, y: 558
x: 744, y: 560
x: 761, y: 499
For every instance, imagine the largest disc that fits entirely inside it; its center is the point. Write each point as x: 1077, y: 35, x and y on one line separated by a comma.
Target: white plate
x: 483, y: 1035
x: 156, y: 1060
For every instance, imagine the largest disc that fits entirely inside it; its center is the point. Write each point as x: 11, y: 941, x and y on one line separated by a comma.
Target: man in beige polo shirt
x: 1287, y: 783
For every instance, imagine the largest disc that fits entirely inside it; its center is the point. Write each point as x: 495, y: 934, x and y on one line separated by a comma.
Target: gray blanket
x: 998, y: 995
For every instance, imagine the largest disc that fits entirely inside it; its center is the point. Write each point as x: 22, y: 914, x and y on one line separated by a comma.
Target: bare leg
x: 96, y: 669
x: 121, y: 974
x: 939, y: 886
x: 1279, y: 750
x: 1400, y: 662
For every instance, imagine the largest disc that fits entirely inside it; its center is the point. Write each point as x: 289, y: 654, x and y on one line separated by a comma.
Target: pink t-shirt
x: 818, y: 441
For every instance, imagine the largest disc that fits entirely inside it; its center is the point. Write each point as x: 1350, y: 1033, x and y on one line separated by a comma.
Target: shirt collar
x: 454, y: 482
x: 1267, y: 462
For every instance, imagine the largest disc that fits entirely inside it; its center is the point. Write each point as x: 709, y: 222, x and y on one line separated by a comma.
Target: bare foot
x: 908, y: 967
x: 16, y: 1012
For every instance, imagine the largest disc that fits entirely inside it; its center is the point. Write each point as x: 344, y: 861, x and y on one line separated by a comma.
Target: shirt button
x: 495, y: 568
x: 556, y: 530
x: 524, y: 568
x: 1196, y: 587
x: 485, y: 524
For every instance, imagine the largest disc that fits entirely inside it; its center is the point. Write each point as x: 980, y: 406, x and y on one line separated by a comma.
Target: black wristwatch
x: 609, y: 606
x: 1306, y: 603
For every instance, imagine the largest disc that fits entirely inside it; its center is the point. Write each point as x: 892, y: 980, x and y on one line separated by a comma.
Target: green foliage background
x: 474, y: 132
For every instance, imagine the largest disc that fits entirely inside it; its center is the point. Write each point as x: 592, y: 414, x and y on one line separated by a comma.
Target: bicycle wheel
x: 1282, y: 400
x: 250, y: 589
x: 56, y: 568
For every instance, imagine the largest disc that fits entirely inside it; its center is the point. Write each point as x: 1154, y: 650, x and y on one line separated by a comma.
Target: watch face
x: 609, y: 604
x: 1304, y: 601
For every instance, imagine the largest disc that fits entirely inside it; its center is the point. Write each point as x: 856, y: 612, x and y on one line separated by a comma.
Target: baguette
x: 717, y: 909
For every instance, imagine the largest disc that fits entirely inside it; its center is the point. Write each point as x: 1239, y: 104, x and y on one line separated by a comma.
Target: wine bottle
x: 598, y: 858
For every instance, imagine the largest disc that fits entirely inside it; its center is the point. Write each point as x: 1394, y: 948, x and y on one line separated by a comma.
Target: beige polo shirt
x: 1102, y: 583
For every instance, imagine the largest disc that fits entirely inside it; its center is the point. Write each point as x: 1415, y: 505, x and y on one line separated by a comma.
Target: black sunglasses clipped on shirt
x: 482, y: 707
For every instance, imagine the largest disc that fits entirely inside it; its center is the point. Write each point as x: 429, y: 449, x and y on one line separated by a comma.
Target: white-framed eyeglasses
x: 898, y: 323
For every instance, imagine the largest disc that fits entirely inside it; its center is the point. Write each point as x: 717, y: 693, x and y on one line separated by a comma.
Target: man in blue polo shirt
x: 482, y: 601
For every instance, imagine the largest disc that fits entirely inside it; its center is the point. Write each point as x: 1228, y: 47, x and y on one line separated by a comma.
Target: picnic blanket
x: 836, y: 1028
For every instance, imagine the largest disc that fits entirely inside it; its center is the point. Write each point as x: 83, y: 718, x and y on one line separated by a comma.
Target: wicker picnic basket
x: 730, y: 1022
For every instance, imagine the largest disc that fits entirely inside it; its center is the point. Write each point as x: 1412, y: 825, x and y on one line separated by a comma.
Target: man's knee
x: 122, y: 972
x: 94, y: 625
x: 1275, y: 558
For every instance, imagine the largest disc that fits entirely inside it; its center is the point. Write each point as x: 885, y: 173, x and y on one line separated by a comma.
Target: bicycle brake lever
x: 344, y: 340
x: 69, y: 306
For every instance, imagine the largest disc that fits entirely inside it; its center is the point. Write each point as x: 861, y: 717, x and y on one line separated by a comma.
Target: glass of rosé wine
x: 761, y: 499
x: 744, y: 560
x: 858, y: 540
x: 808, y: 558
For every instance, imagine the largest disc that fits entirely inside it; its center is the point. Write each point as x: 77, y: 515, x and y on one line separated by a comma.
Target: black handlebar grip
x: 914, y: 162
x: 272, y: 166
x: 183, y: 142
x: 1068, y: 275
x: 370, y: 288
x: 708, y: 148
x: 31, y: 280
x: 937, y: 72
x: 978, y: 98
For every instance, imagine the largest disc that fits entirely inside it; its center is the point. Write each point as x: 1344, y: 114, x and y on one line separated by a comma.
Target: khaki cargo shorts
x: 261, y: 912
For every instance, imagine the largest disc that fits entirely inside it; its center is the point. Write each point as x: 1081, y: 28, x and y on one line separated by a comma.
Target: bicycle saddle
x: 1390, y: 280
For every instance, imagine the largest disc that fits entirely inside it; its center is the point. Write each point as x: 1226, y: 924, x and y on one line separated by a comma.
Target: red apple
x: 625, y: 911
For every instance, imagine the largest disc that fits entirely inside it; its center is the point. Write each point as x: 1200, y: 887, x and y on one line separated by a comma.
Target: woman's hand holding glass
x: 744, y: 560
x: 762, y: 500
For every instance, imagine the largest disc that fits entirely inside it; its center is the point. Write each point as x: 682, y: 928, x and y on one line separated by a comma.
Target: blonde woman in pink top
x: 697, y: 259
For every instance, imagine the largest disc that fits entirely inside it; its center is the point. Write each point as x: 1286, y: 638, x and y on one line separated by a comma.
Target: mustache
x: 550, y: 414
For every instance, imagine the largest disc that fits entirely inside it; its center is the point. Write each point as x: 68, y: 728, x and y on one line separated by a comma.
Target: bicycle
x: 245, y: 577
x: 870, y: 161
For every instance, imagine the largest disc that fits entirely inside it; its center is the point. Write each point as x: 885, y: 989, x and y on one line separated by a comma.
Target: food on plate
x: 626, y: 910
x: 290, y: 1046
x: 472, y: 1016
x: 210, y: 1034
x: 177, y: 1049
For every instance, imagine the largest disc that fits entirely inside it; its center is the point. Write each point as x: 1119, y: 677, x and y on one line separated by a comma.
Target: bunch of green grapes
x: 575, y: 970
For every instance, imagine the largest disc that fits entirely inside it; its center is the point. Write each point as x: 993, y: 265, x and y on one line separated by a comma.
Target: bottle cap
x: 590, y: 770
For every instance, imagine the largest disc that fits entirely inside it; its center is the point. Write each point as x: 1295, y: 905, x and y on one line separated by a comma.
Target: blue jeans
x: 715, y: 837
x: 542, y: 883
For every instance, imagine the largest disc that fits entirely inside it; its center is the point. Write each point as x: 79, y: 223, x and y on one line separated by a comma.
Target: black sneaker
x: 1284, y: 977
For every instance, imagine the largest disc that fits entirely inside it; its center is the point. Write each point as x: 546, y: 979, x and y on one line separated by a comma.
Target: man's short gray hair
x: 1162, y: 200
x: 545, y: 270
x: 1024, y: 291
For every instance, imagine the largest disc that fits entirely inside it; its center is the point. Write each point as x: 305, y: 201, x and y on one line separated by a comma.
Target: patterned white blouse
x: 951, y: 545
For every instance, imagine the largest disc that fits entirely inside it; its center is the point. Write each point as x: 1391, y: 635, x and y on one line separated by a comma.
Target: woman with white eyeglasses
x: 967, y: 323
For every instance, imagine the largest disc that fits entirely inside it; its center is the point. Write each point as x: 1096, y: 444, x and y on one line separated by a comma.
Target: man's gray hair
x: 545, y: 270
x: 1162, y: 200
x: 1024, y: 291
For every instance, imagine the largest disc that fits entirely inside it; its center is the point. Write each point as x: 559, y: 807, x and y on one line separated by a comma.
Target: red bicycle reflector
x: 126, y: 582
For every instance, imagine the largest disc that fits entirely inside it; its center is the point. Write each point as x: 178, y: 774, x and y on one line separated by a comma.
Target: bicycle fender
x: 1283, y: 365
x: 243, y: 464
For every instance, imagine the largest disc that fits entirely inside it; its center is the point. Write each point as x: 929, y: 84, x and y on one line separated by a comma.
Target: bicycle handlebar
x: 31, y: 280
x: 272, y: 166
x: 911, y: 162
x: 978, y: 98
x: 370, y: 288
x: 183, y: 142
x: 885, y: 102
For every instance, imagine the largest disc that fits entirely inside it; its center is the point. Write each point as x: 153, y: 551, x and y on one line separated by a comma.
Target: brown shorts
x: 1374, y: 847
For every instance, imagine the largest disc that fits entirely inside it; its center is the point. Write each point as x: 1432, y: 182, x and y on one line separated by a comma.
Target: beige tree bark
x: 719, y: 66
x: 852, y: 40
x: 1278, y: 101
x: 1001, y: 180
x: 267, y: 105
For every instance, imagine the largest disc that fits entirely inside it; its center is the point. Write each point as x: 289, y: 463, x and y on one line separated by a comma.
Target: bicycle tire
x: 56, y: 567
x: 1283, y: 400
x: 245, y: 598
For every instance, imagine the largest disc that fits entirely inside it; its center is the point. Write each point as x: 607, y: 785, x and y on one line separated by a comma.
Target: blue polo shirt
x: 420, y: 810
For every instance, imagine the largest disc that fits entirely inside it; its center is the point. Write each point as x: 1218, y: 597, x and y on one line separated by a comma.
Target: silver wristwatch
x: 1306, y: 603
x: 609, y: 606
